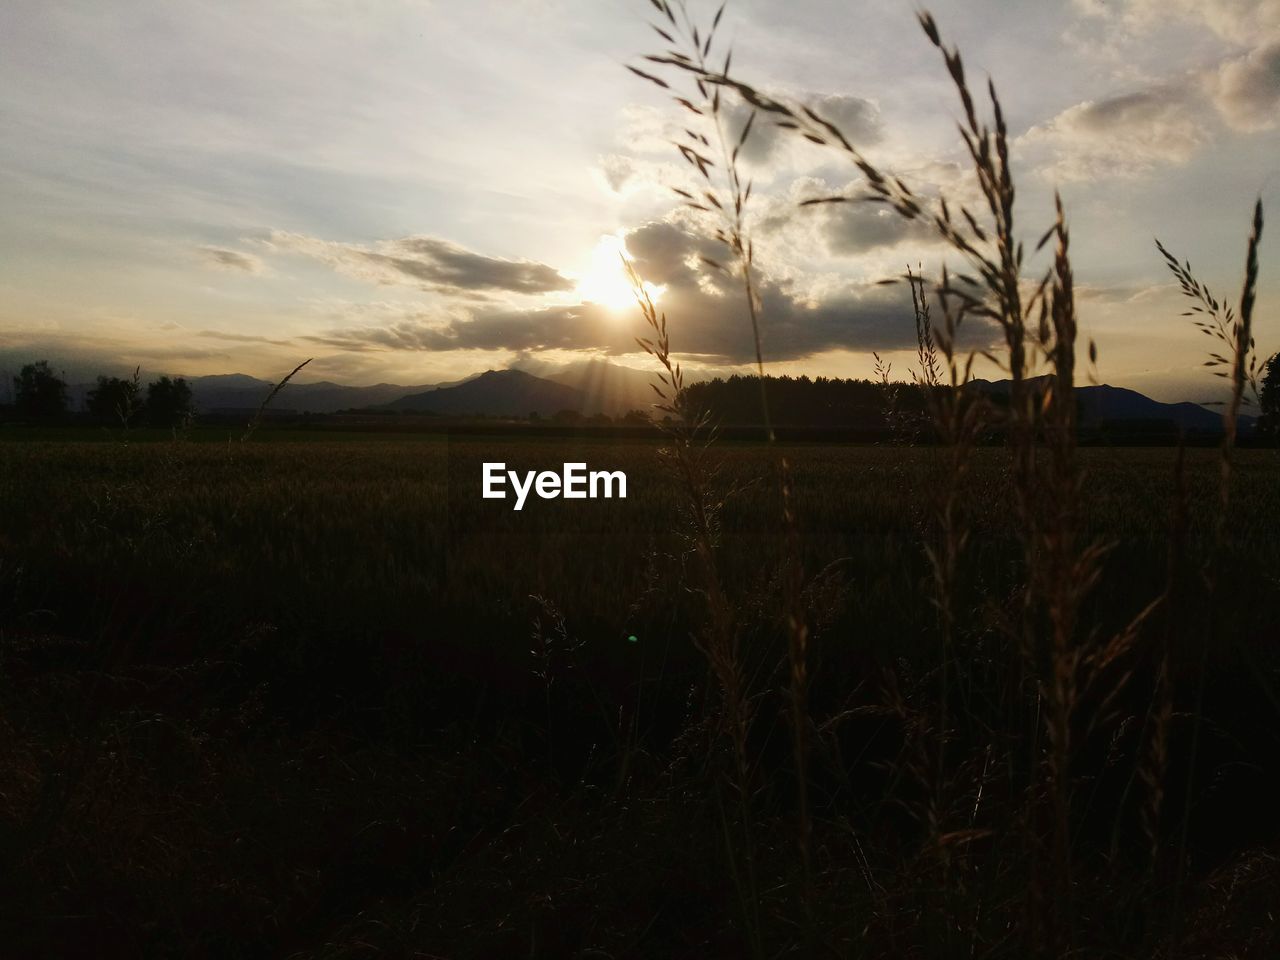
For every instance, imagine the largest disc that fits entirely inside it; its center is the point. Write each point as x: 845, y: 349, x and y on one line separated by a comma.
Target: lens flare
x: 606, y: 282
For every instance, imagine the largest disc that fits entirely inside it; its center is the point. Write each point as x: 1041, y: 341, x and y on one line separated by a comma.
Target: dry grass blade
x: 266, y: 402
x: 726, y: 197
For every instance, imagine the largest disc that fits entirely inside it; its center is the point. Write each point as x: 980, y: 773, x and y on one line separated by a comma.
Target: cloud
x: 241, y: 338
x: 645, y: 130
x: 1245, y: 84
x: 616, y: 170
x: 1237, y: 21
x: 845, y: 229
x: 428, y: 263
x: 1241, y: 21
x: 1246, y: 89
x: 858, y: 119
x: 1121, y: 137
x: 233, y: 260
x: 858, y: 227
x: 707, y: 315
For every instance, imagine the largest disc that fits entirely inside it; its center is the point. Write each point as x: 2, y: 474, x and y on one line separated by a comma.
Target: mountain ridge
x: 494, y: 393
x: 596, y: 386
x: 1098, y: 404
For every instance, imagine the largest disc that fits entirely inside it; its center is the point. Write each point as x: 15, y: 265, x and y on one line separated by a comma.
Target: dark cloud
x: 241, y: 338
x: 232, y: 259
x: 859, y: 226
x: 705, y: 309
x: 426, y: 262
x: 346, y: 341
x: 853, y: 227
x: 858, y: 119
x: 1125, y: 111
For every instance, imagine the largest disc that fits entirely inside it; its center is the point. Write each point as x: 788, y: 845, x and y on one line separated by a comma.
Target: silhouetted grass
x: 1022, y: 693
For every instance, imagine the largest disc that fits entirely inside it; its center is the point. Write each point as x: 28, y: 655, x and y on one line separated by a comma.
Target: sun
x: 606, y: 282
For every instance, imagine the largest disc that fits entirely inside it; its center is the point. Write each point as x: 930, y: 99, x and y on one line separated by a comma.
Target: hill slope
x: 1104, y: 403
x: 496, y: 393
x: 607, y: 387
x: 236, y: 391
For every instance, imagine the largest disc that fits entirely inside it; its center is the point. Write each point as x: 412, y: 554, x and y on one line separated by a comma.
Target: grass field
x: 365, y: 533
x: 318, y: 698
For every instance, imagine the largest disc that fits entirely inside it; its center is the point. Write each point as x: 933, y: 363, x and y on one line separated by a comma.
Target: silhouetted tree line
x: 41, y: 394
x: 833, y: 402
x: 806, y: 401
x: 1269, y: 398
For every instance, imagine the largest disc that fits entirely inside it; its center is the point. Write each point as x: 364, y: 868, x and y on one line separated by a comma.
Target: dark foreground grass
x: 319, y: 699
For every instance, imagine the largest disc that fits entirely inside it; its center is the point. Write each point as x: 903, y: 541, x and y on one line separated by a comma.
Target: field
x: 315, y: 697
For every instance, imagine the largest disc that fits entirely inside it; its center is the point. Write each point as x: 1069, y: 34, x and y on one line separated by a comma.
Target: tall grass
x: 1058, y: 676
x: 253, y: 424
x: 1235, y: 333
x: 719, y: 640
x: 726, y: 196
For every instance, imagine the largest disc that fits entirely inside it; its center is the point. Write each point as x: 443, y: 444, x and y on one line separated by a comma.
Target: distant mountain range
x: 495, y: 393
x: 238, y: 392
x: 588, y: 387
x: 591, y: 387
x: 1099, y: 405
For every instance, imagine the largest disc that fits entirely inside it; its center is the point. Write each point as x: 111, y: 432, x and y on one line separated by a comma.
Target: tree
x: 1269, y: 398
x: 116, y: 399
x: 38, y: 392
x: 169, y: 402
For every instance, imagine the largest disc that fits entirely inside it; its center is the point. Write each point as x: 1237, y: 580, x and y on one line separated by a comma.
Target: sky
x: 411, y: 191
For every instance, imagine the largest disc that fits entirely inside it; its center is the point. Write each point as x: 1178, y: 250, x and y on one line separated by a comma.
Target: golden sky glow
x: 411, y: 191
x: 606, y: 282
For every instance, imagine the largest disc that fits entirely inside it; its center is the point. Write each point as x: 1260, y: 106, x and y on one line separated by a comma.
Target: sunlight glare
x: 607, y: 283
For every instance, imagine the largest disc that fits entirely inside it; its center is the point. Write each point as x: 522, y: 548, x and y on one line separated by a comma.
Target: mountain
x: 1105, y: 402
x: 1098, y: 405
x: 608, y: 387
x: 597, y: 385
x: 229, y: 391
x: 592, y: 386
x: 239, y: 392
x: 496, y: 393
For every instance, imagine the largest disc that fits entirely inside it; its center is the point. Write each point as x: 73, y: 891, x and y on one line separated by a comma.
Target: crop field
x: 369, y: 532
x: 214, y: 653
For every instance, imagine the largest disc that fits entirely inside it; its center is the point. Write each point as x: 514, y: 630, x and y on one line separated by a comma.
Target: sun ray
x: 606, y: 282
